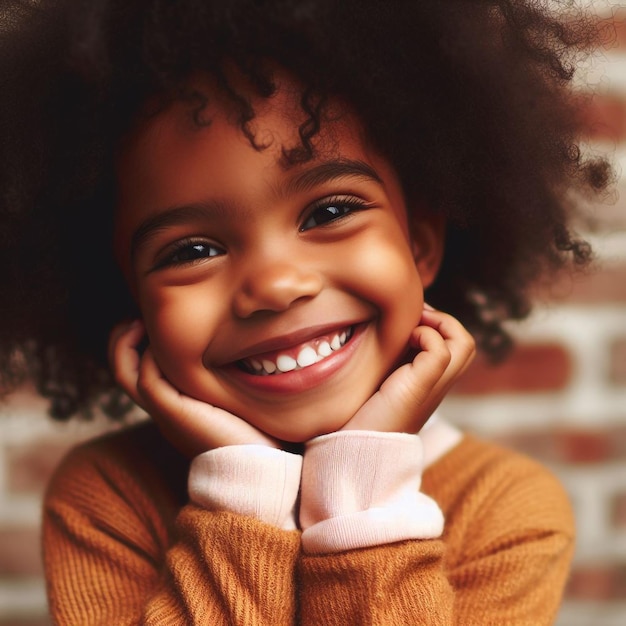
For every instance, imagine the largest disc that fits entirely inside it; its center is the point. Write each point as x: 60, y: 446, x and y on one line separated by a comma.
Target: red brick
x: 606, y: 285
x: 531, y: 368
x: 598, y: 582
x: 618, y: 511
x: 579, y: 446
x: 19, y: 552
x: 537, y: 444
x: 570, y: 445
x: 30, y: 467
x: 604, y: 115
x: 617, y: 374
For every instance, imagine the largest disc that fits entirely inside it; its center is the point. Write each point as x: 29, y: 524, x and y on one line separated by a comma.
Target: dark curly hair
x: 468, y: 99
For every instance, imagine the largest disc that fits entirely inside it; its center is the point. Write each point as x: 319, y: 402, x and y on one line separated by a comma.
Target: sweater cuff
x: 252, y: 480
x: 361, y: 488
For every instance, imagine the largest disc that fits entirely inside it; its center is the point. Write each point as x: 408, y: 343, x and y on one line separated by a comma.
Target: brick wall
x: 561, y: 399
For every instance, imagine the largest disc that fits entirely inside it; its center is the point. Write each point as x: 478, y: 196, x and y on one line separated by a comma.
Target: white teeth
x: 285, y: 363
x: 306, y: 357
x: 324, y: 349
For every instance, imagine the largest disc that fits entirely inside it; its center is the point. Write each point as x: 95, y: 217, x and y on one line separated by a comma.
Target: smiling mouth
x: 297, y: 358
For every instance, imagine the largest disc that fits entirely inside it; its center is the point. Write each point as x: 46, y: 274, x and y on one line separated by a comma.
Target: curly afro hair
x: 468, y: 99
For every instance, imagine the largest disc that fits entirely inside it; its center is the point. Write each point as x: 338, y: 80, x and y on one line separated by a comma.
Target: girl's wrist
x: 253, y: 480
x: 361, y: 488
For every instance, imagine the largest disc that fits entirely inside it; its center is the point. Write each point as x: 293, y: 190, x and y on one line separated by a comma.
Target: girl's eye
x: 187, y: 252
x: 330, y: 210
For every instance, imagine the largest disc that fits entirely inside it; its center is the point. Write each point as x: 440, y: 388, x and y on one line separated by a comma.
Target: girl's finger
x: 459, y: 341
x: 125, y: 335
x: 153, y: 386
x: 461, y: 346
x: 192, y: 425
x: 395, y: 406
x: 409, y: 396
x: 124, y: 357
x: 445, y: 324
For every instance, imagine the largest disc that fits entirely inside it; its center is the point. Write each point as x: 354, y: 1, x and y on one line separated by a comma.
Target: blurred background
x: 561, y: 398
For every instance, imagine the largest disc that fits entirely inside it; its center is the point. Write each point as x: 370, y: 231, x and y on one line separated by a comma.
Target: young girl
x: 239, y: 206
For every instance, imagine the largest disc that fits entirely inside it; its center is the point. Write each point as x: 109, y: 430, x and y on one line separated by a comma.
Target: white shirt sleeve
x: 362, y: 488
x: 253, y: 480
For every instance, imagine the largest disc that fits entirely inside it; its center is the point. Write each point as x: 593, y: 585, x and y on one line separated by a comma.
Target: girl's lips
x: 304, y: 355
x: 301, y: 377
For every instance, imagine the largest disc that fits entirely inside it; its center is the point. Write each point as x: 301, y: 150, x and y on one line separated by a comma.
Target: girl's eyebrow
x: 174, y: 216
x: 327, y: 171
x: 299, y: 183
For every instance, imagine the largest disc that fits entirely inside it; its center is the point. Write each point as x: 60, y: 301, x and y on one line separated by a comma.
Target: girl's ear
x: 427, y: 242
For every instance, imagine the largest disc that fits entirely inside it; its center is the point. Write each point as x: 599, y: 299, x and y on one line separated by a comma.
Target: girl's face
x: 284, y: 295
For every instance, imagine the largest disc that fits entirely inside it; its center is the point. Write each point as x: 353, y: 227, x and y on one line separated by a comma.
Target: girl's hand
x: 408, y: 397
x: 190, y: 425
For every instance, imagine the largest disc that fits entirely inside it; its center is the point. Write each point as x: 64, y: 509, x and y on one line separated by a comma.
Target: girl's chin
x: 301, y: 434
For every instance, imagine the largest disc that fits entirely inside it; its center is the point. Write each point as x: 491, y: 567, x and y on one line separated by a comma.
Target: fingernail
x: 428, y: 307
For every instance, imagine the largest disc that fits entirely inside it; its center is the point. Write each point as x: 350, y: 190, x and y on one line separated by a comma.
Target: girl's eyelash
x: 337, y: 207
x: 187, y: 252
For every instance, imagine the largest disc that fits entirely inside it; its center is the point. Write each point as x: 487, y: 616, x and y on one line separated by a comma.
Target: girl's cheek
x: 393, y: 278
x: 170, y: 322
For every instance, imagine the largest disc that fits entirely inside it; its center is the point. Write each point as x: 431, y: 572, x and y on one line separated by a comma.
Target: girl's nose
x: 275, y: 288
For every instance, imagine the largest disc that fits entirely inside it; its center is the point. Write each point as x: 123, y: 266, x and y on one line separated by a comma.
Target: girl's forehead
x: 265, y: 119
x: 275, y: 126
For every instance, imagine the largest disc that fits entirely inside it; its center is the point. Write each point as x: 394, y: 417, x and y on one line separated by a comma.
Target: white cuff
x: 253, y: 480
x: 361, y: 488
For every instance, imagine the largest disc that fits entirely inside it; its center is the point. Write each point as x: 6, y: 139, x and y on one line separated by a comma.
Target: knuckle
x: 443, y: 356
x: 469, y: 345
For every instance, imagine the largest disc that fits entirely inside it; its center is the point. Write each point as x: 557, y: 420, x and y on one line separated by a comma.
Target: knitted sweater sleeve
x: 111, y: 557
x: 503, y: 556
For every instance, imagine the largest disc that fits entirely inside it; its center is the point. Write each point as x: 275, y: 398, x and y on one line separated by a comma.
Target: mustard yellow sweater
x: 123, y: 545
